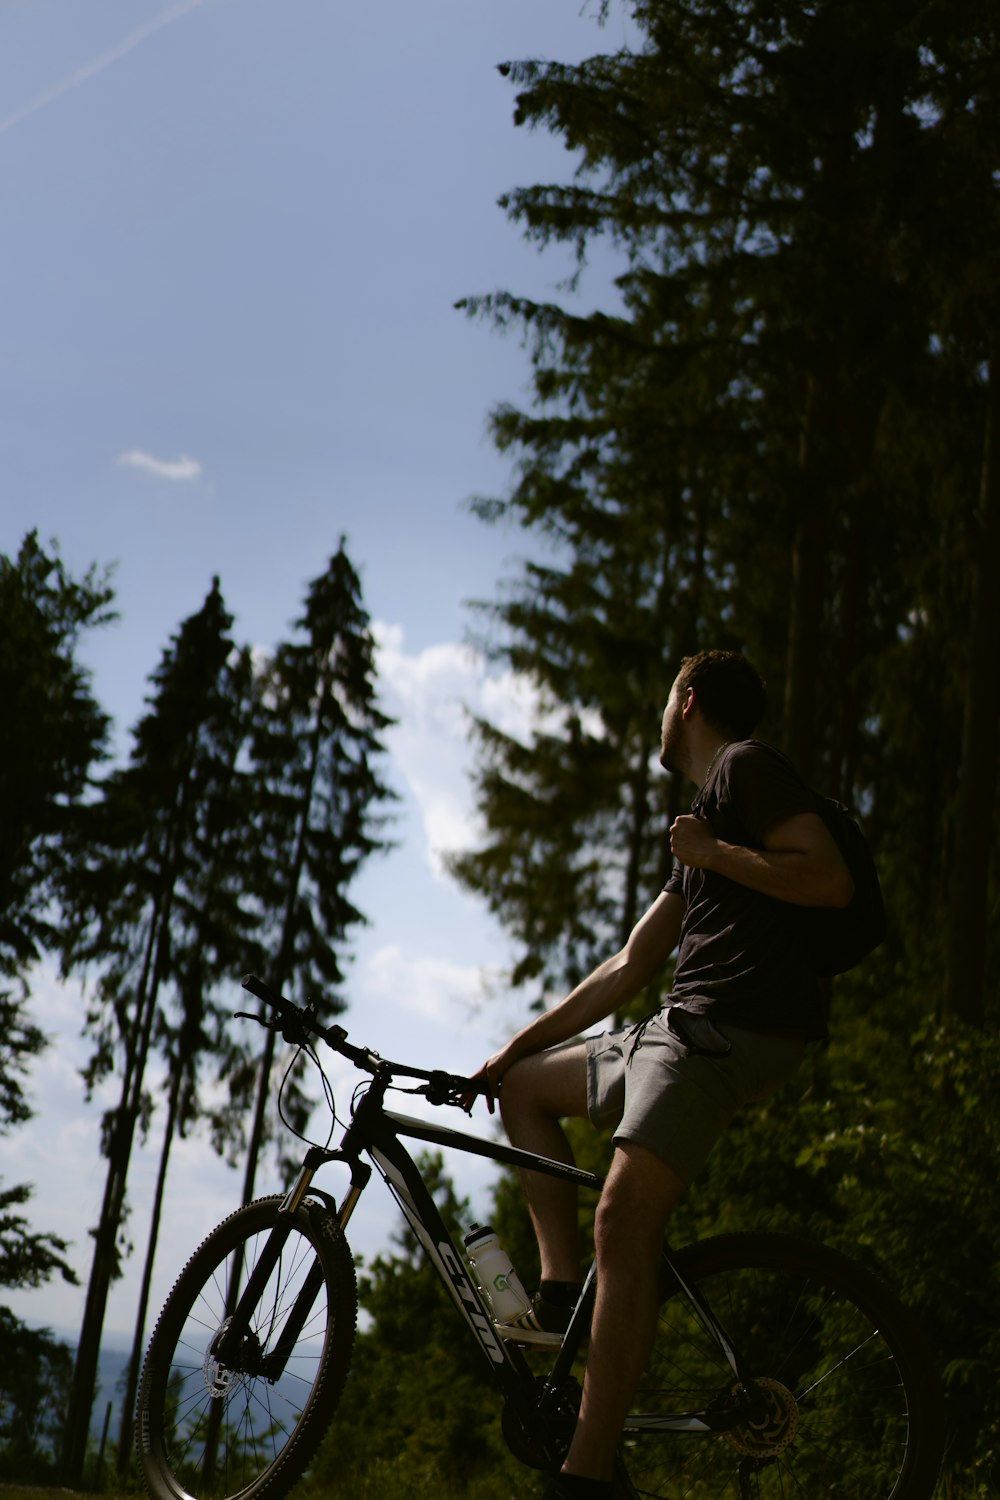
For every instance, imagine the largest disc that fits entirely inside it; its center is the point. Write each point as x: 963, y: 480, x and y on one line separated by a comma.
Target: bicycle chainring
x: 541, y: 1443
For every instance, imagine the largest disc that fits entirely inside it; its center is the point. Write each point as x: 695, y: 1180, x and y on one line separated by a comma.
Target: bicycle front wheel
x: 209, y: 1428
x: 851, y: 1407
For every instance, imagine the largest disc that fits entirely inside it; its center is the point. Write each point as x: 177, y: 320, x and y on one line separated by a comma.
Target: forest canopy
x: 780, y: 434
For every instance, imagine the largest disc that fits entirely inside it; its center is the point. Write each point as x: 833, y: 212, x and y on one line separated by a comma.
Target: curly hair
x: 730, y: 692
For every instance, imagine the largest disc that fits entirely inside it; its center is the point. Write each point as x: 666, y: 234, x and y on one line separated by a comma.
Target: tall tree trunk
x: 805, y: 614
x: 103, y: 1266
x: 845, y: 722
x: 967, y: 905
x: 77, y: 1426
x: 127, y: 1426
x: 284, y: 965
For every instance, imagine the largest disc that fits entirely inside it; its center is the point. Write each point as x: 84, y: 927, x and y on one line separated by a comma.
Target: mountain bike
x: 781, y: 1367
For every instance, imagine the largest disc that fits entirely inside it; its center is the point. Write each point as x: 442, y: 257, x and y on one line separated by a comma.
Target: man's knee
x: 550, y: 1084
x: 640, y: 1194
x: 518, y: 1093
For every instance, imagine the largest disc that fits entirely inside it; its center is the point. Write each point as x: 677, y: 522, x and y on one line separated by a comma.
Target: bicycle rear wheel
x: 208, y: 1430
x: 853, y: 1410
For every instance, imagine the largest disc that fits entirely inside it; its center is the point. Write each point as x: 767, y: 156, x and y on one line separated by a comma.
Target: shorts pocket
x: 698, y: 1034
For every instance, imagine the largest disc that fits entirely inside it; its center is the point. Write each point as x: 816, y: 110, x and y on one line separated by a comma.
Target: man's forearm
x: 610, y: 986
x: 791, y: 875
x: 800, y: 864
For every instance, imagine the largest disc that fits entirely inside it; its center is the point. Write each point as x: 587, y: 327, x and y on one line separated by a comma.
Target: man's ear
x: 690, y: 703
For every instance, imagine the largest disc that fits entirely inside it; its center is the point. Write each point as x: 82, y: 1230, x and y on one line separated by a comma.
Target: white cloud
x: 432, y: 694
x: 422, y: 984
x: 182, y: 470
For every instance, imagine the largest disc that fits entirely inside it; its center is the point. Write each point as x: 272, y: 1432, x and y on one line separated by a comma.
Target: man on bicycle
x: 744, y: 1003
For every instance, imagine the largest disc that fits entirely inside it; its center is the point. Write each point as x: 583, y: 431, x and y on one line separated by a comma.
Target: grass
x: 29, y: 1492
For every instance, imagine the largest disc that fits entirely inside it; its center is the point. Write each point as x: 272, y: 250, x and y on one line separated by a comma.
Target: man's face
x: 674, y: 754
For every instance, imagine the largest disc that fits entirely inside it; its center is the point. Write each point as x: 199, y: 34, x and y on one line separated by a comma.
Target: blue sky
x: 234, y: 232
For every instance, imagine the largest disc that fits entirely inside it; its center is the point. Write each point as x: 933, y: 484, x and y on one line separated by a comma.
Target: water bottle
x: 496, y: 1276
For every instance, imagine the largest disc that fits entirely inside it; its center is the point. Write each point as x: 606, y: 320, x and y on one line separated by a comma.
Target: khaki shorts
x: 673, y: 1083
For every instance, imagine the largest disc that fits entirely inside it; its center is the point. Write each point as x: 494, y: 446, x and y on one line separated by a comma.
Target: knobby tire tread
x: 317, y: 1227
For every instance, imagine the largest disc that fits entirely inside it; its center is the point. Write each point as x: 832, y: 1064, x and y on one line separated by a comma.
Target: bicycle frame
x: 378, y: 1134
x: 250, y: 1357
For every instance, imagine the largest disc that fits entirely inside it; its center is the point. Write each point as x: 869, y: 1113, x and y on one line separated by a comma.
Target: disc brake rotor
x: 775, y: 1428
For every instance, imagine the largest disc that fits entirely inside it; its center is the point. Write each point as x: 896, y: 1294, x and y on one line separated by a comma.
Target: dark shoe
x: 575, y: 1487
x: 545, y: 1322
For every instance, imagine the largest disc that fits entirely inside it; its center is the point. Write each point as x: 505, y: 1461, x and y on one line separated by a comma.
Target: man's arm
x: 800, y: 861
x: 611, y: 985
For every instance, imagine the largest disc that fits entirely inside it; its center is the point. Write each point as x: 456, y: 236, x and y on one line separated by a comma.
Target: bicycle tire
x: 854, y: 1407
x: 208, y: 1432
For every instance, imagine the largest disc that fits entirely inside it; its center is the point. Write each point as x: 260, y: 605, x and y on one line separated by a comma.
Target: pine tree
x: 52, y: 736
x: 34, y: 1386
x: 214, y: 941
x: 426, y: 1384
x: 315, y: 759
x: 149, y: 895
x: 964, y: 259
x: 743, y: 453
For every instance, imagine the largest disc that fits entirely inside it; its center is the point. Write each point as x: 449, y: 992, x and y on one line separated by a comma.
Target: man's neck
x: 704, y: 754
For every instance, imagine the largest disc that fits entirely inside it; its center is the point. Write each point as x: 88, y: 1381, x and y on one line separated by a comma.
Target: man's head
x: 726, y: 691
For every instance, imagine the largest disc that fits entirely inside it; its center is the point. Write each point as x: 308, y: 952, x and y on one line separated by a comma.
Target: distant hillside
x: 111, y: 1372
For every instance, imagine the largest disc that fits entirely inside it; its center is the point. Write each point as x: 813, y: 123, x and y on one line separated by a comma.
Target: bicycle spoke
x: 216, y: 1421
x: 835, y: 1382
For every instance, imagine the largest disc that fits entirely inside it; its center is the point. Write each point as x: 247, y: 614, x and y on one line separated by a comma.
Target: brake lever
x: 248, y: 1015
x: 292, y: 1031
x: 446, y: 1088
x: 438, y: 1089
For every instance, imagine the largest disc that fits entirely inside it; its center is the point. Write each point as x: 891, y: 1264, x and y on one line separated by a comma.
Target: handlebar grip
x: 296, y: 1025
x: 264, y: 992
x: 472, y: 1085
x: 451, y: 1088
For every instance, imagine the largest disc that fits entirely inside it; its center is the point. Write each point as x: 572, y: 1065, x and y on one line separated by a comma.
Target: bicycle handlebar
x: 298, y: 1023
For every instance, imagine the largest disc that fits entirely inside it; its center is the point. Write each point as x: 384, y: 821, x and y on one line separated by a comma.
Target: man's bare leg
x: 639, y: 1196
x: 535, y: 1095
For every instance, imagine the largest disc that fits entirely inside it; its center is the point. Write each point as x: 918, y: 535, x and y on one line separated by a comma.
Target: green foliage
x: 906, y: 1147
x: 35, y: 1375
x: 774, y: 441
x: 884, y: 1145
x: 227, y: 843
x: 315, y: 818
x: 27, y: 1259
x: 316, y: 753
x: 421, y: 1378
x: 152, y: 905
x: 20, y: 1042
x: 51, y: 735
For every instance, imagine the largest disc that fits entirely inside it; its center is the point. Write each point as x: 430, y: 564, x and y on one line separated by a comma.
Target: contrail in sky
x: 98, y: 64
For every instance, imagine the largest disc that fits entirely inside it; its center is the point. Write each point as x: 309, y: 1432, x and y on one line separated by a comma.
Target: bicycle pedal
x: 515, y: 1335
x: 536, y: 1337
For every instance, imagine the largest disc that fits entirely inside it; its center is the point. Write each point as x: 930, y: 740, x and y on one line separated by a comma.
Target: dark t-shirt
x: 742, y: 956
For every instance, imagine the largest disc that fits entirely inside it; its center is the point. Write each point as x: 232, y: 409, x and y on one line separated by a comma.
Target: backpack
x: 840, y: 937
